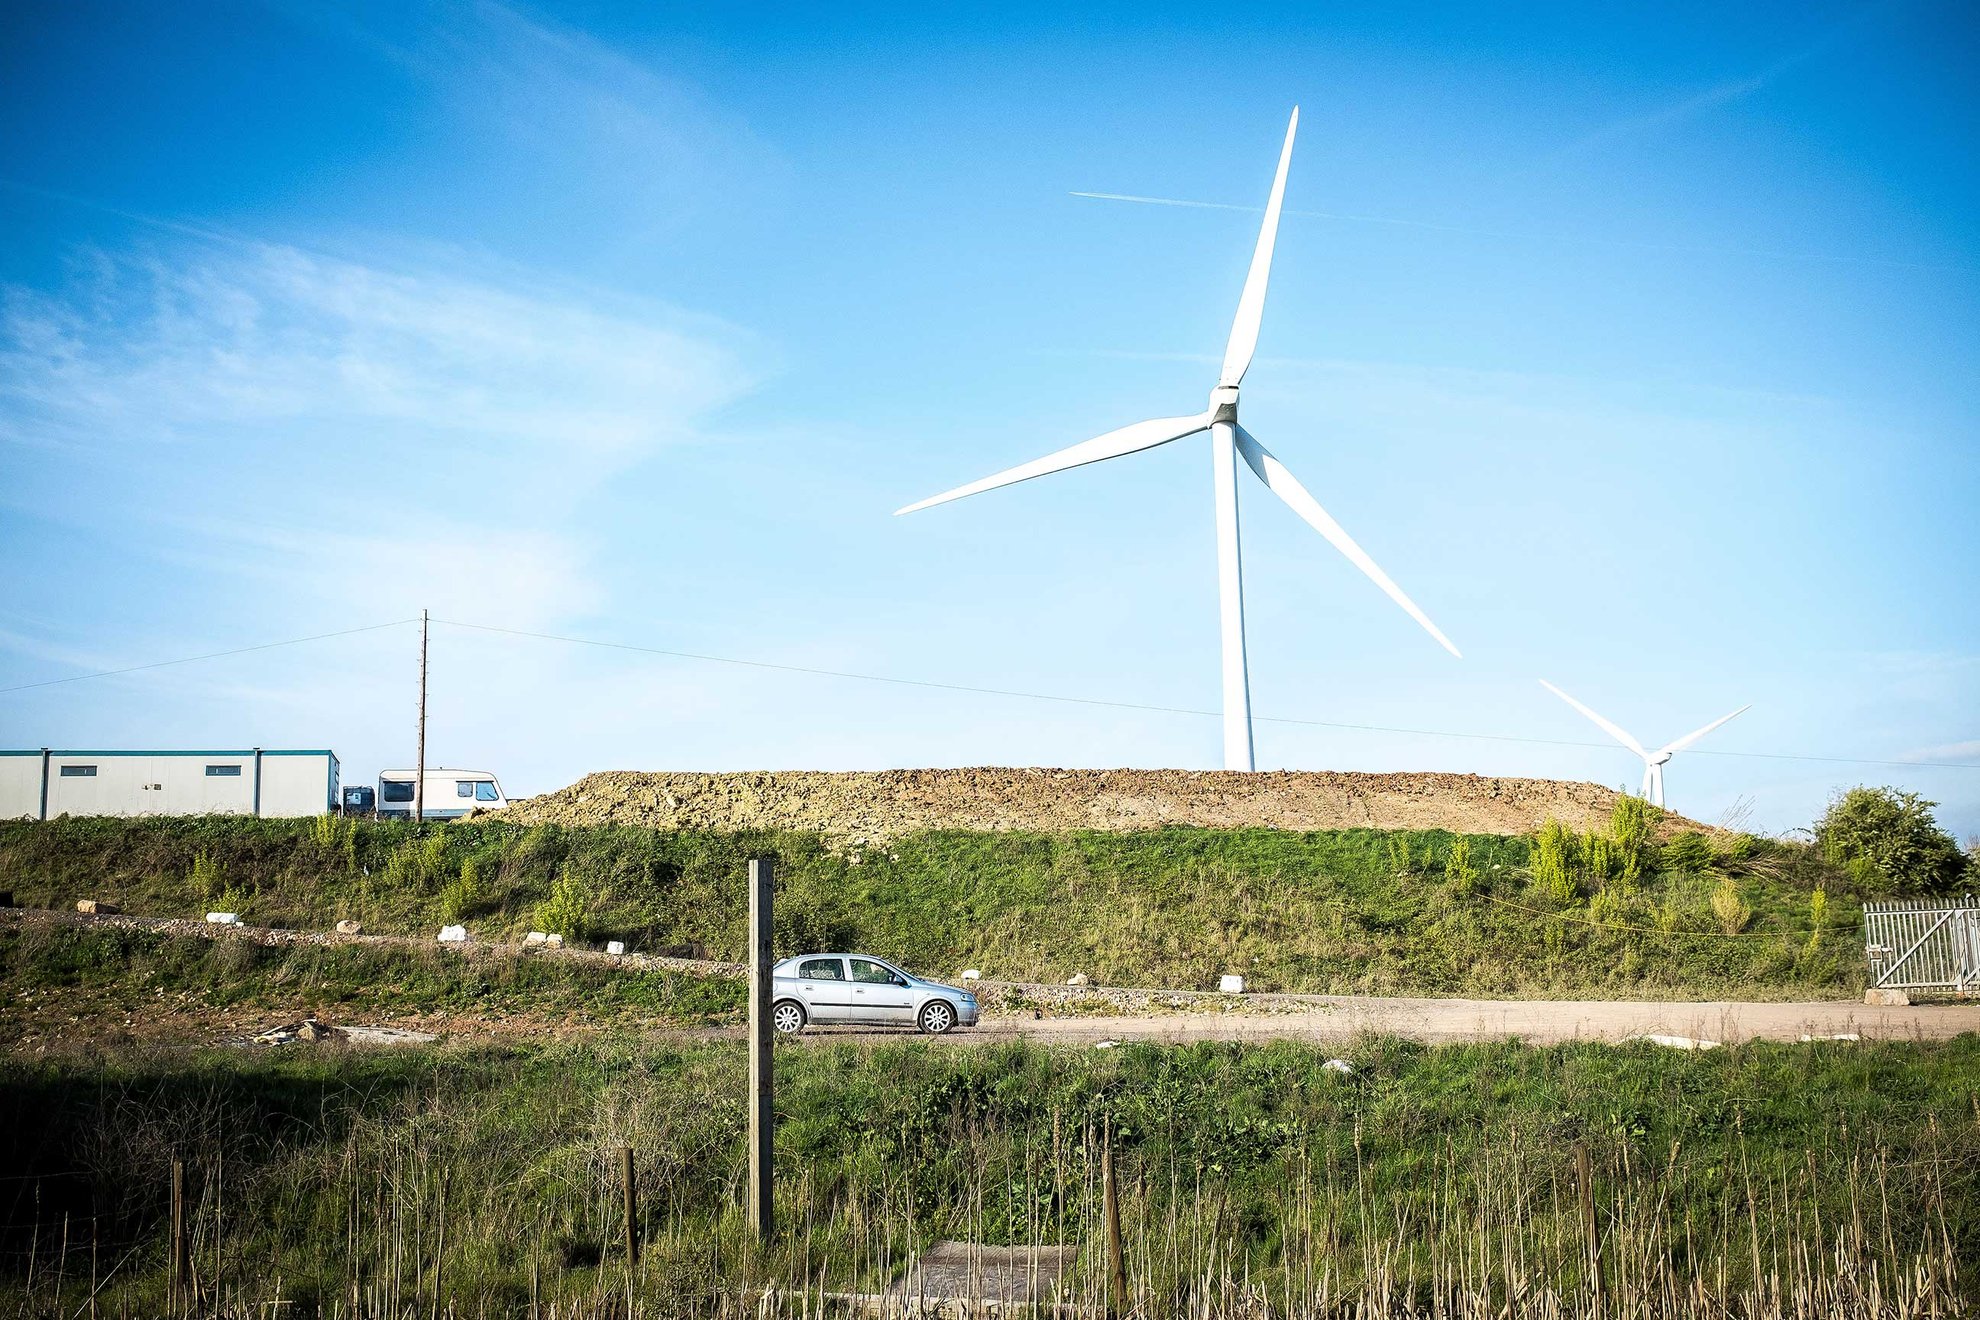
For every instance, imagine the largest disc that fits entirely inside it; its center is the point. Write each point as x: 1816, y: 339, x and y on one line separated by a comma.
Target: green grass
x: 328, y: 1168
x: 136, y: 972
x: 1331, y: 911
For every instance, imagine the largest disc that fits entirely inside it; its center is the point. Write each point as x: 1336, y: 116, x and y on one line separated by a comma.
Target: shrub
x: 1818, y: 914
x: 1730, y: 907
x: 1459, y: 872
x: 1608, y: 908
x: 207, y: 877
x: 462, y: 893
x: 567, y: 911
x: 1689, y: 851
x: 1553, y: 863
x: 1889, y: 841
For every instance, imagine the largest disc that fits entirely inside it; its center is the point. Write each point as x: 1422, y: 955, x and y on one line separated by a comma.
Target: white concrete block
x: 1231, y: 985
x: 615, y: 947
x: 453, y: 934
x: 223, y: 918
x: 534, y: 938
x: 1077, y: 978
x: 972, y: 975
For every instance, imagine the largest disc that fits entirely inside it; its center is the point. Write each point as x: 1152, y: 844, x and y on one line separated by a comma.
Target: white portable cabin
x: 260, y: 781
x: 447, y: 793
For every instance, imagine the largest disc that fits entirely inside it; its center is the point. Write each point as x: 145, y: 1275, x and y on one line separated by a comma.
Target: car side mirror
x: 901, y: 981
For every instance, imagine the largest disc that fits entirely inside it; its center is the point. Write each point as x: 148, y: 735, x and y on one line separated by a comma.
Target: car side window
x: 821, y: 969
x: 484, y: 791
x: 871, y: 973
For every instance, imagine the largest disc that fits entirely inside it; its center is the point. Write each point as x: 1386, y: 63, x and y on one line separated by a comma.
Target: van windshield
x: 396, y: 790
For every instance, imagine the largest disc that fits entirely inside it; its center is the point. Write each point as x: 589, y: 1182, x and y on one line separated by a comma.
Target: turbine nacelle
x: 1223, y: 405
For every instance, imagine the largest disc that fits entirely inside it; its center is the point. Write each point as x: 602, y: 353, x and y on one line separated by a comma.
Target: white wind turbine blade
x: 1614, y: 731
x: 1251, y: 304
x: 1696, y: 734
x: 1286, y: 486
x: 1127, y: 440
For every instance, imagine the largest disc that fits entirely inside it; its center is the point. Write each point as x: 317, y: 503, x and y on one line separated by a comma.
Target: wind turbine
x: 1653, y: 762
x: 1228, y: 442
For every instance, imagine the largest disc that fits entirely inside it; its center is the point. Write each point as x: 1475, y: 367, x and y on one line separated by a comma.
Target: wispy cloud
x: 259, y: 335
x: 1968, y: 751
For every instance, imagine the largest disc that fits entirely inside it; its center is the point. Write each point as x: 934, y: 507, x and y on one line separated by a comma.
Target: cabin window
x: 463, y: 788
x: 396, y: 790
x: 223, y: 771
x: 78, y: 772
x: 484, y: 791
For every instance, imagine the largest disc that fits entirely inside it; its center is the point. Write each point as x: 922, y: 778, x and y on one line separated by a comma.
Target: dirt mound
x: 873, y: 806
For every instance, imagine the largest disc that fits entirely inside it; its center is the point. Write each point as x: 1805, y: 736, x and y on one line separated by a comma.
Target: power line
x: 1019, y: 694
x: 210, y: 655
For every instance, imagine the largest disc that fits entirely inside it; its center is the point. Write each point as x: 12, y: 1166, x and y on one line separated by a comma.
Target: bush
x: 1730, y: 907
x: 463, y: 893
x: 1888, y: 840
x: 567, y: 911
x: 1458, y: 869
x: 1689, y: 851
x: 1553, y: 863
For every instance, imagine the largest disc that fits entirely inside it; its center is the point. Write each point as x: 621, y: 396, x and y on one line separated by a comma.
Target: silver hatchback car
x: 853, y: 989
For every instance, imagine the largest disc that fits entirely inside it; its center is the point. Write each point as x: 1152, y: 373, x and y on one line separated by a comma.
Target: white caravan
x: 448, y: 793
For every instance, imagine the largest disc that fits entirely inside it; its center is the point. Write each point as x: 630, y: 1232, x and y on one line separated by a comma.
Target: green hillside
x: 1615, y: 914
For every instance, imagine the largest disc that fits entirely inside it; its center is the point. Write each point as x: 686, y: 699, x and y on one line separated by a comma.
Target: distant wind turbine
x: 1229, y: 441
x: 1653, y: 762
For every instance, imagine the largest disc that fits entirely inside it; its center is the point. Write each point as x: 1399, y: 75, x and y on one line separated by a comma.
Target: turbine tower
x: 1653, y: 762
x: 1228, y: 442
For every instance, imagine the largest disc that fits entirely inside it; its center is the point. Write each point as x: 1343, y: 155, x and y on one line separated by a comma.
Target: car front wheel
x: 937, y: 1017
x: 787, y: 1018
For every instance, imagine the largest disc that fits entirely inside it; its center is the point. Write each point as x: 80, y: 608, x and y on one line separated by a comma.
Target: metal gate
x: 1920, y: 945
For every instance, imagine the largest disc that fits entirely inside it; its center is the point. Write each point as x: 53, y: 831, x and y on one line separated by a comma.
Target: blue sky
x: 1640, y: 348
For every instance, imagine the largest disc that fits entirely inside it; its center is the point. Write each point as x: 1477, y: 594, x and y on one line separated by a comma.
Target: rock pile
x: 865, y: 807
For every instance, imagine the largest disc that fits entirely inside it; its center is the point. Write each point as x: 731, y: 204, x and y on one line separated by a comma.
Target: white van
x: 449, y: 793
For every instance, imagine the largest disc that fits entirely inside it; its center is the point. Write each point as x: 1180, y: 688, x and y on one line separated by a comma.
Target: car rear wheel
x: 937, y: 1017
x: 787, y: 1017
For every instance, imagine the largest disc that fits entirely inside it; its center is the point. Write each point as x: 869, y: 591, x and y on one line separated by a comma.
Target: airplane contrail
x: 1531, y: 237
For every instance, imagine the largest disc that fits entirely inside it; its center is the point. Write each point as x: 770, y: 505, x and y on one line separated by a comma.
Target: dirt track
x: 1540, y: 1021
x: 861, y: 807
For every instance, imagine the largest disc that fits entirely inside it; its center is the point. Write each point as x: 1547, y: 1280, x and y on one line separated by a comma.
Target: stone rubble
x: 863, y: 809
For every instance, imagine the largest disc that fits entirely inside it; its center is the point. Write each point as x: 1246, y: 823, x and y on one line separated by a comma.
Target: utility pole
x: 419, y: 774
x: 762, y: 1105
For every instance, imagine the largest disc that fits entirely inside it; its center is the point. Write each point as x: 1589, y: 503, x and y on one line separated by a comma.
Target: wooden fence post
x: 762, y: 1086
x: 632, y: 1207
x: 1117, y: 1298
x: 178, y: 1266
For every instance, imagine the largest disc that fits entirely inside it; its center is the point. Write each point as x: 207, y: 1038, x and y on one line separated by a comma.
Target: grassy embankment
x: 1353, y: 911
x: 1616, y: 1181
x: 83, y: 983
